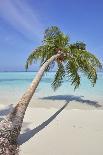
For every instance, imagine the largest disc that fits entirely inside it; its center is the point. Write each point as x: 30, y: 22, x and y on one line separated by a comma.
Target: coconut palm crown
x: 73, y: 59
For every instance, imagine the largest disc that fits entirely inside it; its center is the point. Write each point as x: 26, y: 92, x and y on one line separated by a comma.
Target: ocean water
x: 14, y: 84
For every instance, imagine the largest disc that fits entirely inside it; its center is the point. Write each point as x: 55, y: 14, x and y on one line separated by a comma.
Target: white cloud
x: 20, y: 15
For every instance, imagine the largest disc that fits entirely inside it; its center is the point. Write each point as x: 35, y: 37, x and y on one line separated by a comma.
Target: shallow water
x: 13, y: 84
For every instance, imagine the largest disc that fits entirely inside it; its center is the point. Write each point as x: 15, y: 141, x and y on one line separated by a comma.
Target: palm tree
x: 70, y: 59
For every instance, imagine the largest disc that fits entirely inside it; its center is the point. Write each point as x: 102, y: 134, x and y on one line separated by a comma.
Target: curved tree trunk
x: 10, y: 127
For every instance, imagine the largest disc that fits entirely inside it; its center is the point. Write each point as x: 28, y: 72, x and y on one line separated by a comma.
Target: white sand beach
x: 60, y: 130
x: 51, y: 77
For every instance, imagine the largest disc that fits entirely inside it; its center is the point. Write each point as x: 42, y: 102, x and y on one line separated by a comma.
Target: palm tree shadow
x: 5, y: 111
x: 69, y: 98
x: 29, y: 134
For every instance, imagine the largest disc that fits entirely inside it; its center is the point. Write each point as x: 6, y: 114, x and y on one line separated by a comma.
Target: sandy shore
x: 60, y: 130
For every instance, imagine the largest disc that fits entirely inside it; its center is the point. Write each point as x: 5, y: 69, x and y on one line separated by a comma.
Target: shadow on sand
x: 69, y: 98
x: 30, y: 133
x: 5, y: 111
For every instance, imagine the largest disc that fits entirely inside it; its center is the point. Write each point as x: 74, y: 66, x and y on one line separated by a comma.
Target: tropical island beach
x: 51, y: 77
x: 56, y: 123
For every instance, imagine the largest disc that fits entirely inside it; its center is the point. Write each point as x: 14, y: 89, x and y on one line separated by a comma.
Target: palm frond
x: 50, y: 67
x: 88, y: 69
x: 60, y: 74
x: 72, y: 72
x: 80, y: 52
x: 89, y: 64
x: 54, y: 37
x: 34, y: 56
x: 86, y: 62
x: 42, y: 53
x: 92, y: 59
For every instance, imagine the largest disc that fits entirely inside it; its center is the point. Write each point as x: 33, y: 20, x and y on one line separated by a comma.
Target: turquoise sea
x: 13, y: 84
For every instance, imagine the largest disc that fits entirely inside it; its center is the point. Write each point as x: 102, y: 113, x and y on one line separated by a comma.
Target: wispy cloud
x: 22, y: 17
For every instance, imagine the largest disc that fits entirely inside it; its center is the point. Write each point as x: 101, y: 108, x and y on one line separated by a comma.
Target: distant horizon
x: 22, y: 24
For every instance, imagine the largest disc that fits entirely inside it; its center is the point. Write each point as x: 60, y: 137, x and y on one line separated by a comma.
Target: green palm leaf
x: 60, y: 74
x: 74, y: 58
x: 72, y: 72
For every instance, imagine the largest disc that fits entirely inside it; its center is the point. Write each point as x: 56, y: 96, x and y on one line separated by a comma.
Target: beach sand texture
x: 60, y: 131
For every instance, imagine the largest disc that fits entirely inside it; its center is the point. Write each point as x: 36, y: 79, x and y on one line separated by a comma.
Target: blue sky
x: 22, y: 23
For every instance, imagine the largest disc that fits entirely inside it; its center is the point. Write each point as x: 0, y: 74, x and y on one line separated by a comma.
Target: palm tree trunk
x: 11, y: 126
